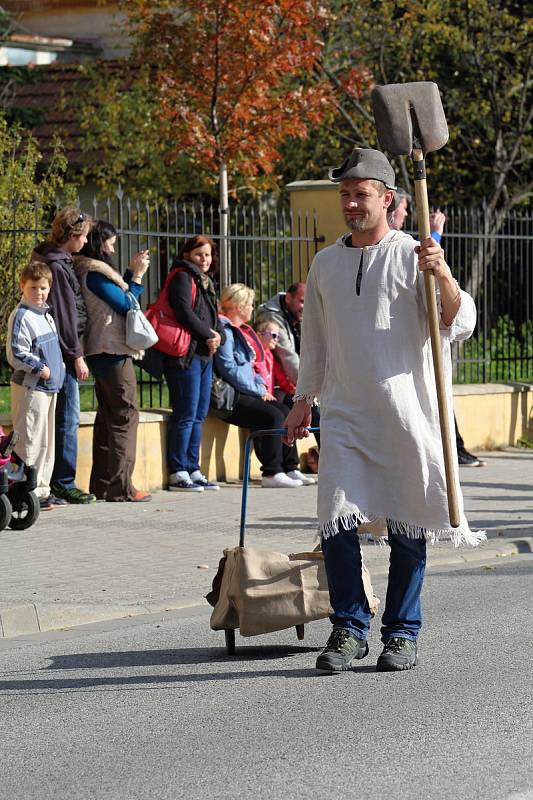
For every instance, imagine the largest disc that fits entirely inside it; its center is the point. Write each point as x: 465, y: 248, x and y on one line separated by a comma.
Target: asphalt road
x: 154, y: 708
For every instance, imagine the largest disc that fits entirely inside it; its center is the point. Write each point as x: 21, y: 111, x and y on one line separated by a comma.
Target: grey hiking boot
x: 340, y: 650
x: 398, y: 653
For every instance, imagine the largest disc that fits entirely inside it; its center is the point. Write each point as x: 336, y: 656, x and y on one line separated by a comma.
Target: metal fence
x: 269, y: 248
x: 494, y: 263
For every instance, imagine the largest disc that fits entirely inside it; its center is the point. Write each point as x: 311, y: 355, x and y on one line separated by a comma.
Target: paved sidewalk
x: 83, y: 564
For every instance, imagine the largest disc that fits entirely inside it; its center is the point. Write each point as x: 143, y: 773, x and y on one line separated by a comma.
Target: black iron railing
x: 269, y: 248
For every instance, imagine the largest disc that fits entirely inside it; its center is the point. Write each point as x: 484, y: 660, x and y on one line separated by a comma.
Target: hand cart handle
x: 246, y: 471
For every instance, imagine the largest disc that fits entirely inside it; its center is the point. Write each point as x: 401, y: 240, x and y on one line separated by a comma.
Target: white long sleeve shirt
x: 366, y: 354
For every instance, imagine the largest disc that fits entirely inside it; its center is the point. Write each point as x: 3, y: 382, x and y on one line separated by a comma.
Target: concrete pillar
x: 318, y: 199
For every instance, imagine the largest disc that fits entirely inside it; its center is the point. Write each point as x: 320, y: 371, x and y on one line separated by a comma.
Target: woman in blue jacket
x: 255, y: 409
x: 108, y: 297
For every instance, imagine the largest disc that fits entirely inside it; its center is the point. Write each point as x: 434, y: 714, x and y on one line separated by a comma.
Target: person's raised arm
x: 437, y: 221
x: 431, y: 257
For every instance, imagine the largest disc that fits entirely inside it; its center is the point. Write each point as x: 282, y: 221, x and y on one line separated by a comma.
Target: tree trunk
x: 224, y: 274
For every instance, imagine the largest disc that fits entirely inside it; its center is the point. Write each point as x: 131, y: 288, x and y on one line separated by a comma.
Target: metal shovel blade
x: 409, y: 115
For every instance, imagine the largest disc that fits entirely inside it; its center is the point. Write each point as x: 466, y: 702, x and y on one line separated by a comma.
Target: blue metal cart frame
x: 230, y: 632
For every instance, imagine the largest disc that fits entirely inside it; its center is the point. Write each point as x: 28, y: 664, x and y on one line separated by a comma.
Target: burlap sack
x: 260, y: 591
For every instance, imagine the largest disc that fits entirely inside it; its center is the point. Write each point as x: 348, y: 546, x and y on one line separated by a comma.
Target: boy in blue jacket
x: 34, y: 353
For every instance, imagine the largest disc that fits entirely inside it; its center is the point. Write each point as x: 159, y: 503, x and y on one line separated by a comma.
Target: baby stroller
x: 19, y: 505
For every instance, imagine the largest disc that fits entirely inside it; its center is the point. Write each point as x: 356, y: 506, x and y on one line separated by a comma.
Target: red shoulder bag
x: 174, y: 339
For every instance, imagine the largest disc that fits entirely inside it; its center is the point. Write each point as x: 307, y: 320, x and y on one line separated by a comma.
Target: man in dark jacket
x: 68, y: 235
x: 286, y: 308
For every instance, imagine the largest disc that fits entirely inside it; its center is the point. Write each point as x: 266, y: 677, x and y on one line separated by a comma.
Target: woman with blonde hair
x: 256, y: 408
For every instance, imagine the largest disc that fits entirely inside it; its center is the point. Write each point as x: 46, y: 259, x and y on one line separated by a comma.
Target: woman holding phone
x: 108, y: 297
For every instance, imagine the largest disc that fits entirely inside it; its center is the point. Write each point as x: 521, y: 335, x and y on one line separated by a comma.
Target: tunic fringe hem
x: 353, y: 519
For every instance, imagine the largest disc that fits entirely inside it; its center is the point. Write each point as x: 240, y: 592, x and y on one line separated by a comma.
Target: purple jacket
x: 65, y: 298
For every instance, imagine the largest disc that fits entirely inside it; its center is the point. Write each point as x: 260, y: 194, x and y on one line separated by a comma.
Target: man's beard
x: 357, y: 224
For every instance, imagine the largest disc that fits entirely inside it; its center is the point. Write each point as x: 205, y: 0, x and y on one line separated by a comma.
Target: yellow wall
x: 489, y: 416
x: 221, y: 453
x: 493, y: 415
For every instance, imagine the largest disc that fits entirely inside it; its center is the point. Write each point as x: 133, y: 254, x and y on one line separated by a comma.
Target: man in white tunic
x: 366, y: 354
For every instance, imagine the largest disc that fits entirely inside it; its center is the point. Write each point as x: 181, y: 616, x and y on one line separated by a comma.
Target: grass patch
x: 148, y: 396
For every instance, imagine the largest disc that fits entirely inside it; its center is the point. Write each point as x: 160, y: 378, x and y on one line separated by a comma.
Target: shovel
x: 410, y: 121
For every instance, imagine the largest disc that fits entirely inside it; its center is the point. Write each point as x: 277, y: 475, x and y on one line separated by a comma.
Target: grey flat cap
x: 365, y: 164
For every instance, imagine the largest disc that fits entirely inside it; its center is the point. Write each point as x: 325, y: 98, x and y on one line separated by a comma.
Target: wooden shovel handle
x: 422, y: 209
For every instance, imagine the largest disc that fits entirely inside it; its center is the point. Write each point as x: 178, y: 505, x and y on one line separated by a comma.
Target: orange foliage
x: 235, y: 78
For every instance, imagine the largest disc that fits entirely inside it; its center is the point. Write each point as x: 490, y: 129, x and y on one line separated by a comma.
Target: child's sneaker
x: 200, y: 480
x: 45, y: 504
x: 57, y: 501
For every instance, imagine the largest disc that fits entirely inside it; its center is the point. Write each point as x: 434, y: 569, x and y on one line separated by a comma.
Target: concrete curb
x: 26, y: 619
x: 23, y: 620
x: 489, y: 551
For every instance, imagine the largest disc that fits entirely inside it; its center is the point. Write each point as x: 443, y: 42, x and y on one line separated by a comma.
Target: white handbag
x: 140, y: 334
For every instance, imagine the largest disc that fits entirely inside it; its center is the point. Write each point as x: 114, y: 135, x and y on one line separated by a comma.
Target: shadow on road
x: 511, y: 487
x: 178, y: 656
x: 185, y: 655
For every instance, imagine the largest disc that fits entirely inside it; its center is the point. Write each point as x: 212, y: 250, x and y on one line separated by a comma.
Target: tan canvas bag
x: 260, y: 591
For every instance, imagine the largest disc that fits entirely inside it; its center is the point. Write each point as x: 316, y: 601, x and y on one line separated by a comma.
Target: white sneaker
x: 181, y: 482
x: 279, y: 481
x: 200, y: 480
x: 296, y: 475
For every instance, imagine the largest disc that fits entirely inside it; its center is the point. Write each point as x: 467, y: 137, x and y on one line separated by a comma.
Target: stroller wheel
x: 5, y: 511
x: 25, y: 511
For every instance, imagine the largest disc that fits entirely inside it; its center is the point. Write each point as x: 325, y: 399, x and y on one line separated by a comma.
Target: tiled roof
x: 45, y: 95
x: 19, y: 6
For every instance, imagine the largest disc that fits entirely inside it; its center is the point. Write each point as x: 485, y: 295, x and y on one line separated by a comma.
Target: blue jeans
x: 67, y: 422
x: 403, y: 612
x: 190, y: 390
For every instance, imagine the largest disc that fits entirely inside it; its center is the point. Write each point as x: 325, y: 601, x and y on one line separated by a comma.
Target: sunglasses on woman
x: 271, y: 334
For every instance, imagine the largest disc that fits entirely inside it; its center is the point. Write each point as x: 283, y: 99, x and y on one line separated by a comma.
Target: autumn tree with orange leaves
x: 232, y: 80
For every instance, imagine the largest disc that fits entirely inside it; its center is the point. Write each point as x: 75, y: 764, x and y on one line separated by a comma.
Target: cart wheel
x: 229, y: 633
x: 300, y: 632
x: 5, y: 511
x: 25, y: 512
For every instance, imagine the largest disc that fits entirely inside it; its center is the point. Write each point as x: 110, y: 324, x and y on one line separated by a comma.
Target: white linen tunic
x: 367, y: 357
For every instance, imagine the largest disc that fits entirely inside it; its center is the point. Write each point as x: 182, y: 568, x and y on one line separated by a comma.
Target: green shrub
x: 28, y: 192
x: 507, y: 350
